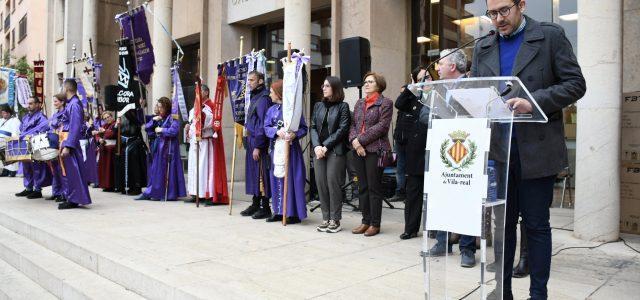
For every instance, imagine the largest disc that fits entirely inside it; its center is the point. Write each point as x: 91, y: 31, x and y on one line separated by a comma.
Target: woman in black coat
x: 329, y: 132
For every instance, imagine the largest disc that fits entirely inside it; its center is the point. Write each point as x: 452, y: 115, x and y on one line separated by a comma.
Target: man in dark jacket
x: 542, y: 57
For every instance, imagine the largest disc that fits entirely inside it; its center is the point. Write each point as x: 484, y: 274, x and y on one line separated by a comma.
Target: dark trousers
x: 466, y: 242
x: 413, y: 204
x: 369, y: 187
x: 330, y: 175
x: 529, y: 198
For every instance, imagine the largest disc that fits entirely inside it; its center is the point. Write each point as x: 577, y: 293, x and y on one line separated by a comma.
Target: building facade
x: 402, y: 33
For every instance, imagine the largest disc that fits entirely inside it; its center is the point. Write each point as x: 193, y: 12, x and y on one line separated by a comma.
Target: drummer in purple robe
x: 55, y: 123
x: 36, y: 173
x: 257, y: 163
x: 273, y: 128
x: 167, y: 182
x: 72, y: 166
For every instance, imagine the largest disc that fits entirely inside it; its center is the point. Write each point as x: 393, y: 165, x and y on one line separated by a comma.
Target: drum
x: 3, y: 147
x: 44, y: 146
x: 17, y: 150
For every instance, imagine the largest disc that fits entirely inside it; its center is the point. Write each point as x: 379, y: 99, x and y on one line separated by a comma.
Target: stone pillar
x: 90, y: 26
x: 72, y: 32
x: 336, y: 35
x: 297, y: 24
x: 161, y: 80
x: 597, y: 205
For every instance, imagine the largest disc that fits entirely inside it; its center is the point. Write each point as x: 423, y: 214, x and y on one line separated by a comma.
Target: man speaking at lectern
x: 541, y: 56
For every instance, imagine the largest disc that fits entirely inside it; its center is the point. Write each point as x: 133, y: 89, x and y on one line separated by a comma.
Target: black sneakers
x: 67, y: 205
x: 34, y: 195
x: 23, y: 193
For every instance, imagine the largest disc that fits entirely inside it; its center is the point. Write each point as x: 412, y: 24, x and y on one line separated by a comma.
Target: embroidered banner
x: 134, y: 27
x: 7, y: 86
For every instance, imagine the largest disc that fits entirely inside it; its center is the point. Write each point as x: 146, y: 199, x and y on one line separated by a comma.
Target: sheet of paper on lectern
x: 479, y: 103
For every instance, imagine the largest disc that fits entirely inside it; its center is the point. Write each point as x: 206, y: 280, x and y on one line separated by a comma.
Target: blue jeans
x: 401, y: 162
x: 467, y: 242
x: 529, y: 198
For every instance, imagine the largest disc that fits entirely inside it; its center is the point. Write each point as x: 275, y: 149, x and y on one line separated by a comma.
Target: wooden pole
x: 286, y: 161
x: 235, y: 141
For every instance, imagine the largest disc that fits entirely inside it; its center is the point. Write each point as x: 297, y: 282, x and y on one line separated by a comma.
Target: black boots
x: 264, y: 211
x: 522, y: 269
x: 249, y: 211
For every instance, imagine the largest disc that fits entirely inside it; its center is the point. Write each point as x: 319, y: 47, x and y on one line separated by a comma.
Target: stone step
x: 114, y: 263
x: 61, y: 277
x: 15, y: 285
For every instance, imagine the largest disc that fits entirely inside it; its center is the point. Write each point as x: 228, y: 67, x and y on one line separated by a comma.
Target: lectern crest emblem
x: 458, y: 152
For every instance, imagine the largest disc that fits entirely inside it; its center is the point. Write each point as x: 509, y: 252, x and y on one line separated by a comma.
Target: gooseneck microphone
x: 491, y: 33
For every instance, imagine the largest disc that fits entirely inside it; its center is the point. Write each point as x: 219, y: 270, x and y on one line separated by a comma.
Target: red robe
x: 219, y: 163
x: 105, y: 164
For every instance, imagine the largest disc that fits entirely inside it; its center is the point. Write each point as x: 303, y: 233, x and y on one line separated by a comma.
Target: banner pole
x: 286, y: 161
x: 235, y: 146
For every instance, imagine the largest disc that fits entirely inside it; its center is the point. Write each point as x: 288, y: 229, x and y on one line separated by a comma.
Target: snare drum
x: 17, y: 150
x: 44, y: 146
x: 3, y: 148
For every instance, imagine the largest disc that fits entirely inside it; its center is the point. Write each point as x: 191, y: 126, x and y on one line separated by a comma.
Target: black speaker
x: 355, y: 60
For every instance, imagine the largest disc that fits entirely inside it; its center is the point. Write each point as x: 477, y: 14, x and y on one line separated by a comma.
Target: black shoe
x: 293, y: 220
x: 53, y: 197
x: 262, y: 213
x: 60, y: 199
x: 252, y: 209
x: 190, y: 200
x: 67, y: 205
x: 5, y: 173
x: 522, y: 269
x: 12, y: 173
x: 34, y: 195
x: 24, y: 193
x: 108, y: 190
x: 406, y: 235
x: 467, y: 259
x: 134, y: 191
x: 274, y: 218
x: 143, y: 197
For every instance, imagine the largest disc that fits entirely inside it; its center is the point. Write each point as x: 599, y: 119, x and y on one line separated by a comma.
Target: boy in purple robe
x: 166, y: 159
x: 55, y: 123
x: 257, y: 162
x: 296, y: 199
x: 72, y: 167
x: 36, y: 173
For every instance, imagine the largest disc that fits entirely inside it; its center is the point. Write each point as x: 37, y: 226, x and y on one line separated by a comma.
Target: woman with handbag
x: 329, y: 130
x: 371, y: 150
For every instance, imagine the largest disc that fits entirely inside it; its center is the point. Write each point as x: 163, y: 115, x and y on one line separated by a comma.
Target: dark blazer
x: 547, y: 66
x: 338, y: 124
x: 416, y: 132
x: 377, y: 123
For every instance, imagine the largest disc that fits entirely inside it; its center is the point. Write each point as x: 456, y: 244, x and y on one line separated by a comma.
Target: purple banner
x: 134, y: 27
x: 236, y: 75
x: 179, y: 106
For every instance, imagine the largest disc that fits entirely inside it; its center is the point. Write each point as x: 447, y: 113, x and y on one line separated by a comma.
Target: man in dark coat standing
x: 542, y: 57
x: 257, y: 164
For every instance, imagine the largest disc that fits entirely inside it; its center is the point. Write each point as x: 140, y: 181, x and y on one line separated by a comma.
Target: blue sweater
x: 508, y: 50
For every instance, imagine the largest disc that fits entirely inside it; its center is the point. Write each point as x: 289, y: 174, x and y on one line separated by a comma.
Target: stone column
x: 336, y: 35
x: 89, y: 26
x: 597, y: 205
x: 72, y: 32
x: 161, y: 80
x: 297, y: 23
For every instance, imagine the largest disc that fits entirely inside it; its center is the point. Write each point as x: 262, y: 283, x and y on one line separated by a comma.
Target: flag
x: 7, y: 86
x: 236, y: 75
x: 197, y: 111
x: 218, y: 101
x: 134, y: 27
x: 179, y: 106
x: 293, y: 90
x: 38, y: 78
x: 84, y: 72
x: 23, y: 91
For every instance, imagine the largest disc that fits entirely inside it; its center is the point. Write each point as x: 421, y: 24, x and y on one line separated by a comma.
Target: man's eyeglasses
x: 493, y: 14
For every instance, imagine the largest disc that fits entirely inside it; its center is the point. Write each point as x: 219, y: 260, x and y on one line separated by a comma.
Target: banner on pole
x: 179, y: 105
x: 236, y: 76
x: 134, y: 26
x: 456, y: 174
x: 7, y: 86
x: 128, y: 89
x: 38, y: 78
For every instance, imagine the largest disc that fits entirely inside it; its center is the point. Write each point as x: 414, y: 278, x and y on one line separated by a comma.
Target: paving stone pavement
x: 173, y: 250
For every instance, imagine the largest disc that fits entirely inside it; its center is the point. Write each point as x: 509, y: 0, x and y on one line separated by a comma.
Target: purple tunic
x: 36, y: 173
x: 150, y: 128
x: 256, y: 139
x: 296, y: 199
x: 167, y: 154
x: 75, y: 181
x: 57, y: 189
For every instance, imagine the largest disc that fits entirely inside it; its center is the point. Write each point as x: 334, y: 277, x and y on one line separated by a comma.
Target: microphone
x: 491, y: 33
